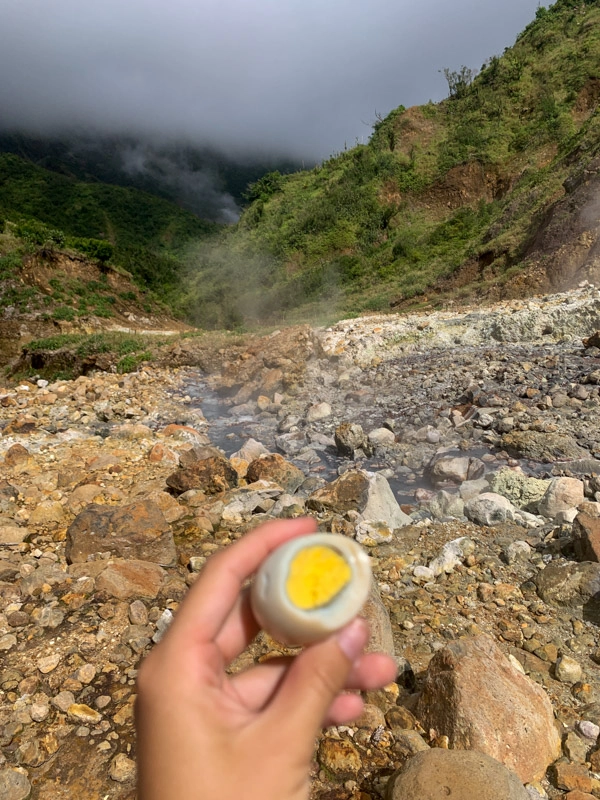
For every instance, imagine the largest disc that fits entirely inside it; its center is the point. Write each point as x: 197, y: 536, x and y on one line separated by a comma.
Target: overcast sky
x: 299, y: 77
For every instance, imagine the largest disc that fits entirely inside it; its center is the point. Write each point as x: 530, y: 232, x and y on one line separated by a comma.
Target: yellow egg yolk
x: 316, y: 575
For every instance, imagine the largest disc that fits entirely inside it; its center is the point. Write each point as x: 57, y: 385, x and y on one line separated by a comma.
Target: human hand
x: 203, y: 734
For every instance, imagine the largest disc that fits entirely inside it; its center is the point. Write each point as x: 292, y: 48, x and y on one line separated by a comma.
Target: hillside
x: 146, y: 234
x: 487, y: 194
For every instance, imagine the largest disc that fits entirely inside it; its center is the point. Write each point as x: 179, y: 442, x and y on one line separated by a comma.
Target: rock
x: 371, y: 718
x: 489, y: 509
x: 137, y: 531
x: 455, y: 469
x: 128, y: 579
x: 445, y: 504
x: 473, y: 695
x: 122, y: 769
x: 48, y: 512
x: 14, y: 784
x: 366, y: 492
x: 47, y: 664
x: 339, y: 757
x: 567, y: 670
x: 318, y: 412
x: 586, y: 537
x: 522, y: 491
x: 276, y: 469
x: 381, y: 437
x: 592, y: 341
x: 370, y: 533
x: 12, y: 534
x: 211, y: 475
x: 575, y: 586
x: 452, y: 554
x: 517, y: 551
x: 79, y: 712
x: 574, y: 777
x: 575, y: 748
x: 16, y: 454
x: 462, y: 775
x: 407, y: 743
x: 381, y: 639
x: 561, y: 495
x: 350, y: 437
x: 251, y: 450
x: 543, y: 447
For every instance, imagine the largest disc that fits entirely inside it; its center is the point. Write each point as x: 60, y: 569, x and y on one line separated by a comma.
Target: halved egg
x: 310, y: 587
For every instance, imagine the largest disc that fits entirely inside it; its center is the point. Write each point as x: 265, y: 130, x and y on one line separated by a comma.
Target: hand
x: 205, y: 735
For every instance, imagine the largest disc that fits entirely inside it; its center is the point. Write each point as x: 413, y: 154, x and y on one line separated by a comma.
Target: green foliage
x: 95, y: 248
x: 64, y: 313
x: 264, y: 187
x: 459, y: 80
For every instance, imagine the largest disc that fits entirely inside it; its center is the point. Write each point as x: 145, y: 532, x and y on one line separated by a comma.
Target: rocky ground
x: 462, y: 450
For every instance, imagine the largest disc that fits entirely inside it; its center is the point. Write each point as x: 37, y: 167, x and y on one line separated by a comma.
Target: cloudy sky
x: 298, y: 77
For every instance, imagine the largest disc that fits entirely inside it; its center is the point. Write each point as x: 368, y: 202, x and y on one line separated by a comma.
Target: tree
x: 459, y: 80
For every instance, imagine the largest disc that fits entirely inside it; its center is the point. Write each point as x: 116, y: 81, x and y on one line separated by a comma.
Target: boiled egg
x: 310, y: 587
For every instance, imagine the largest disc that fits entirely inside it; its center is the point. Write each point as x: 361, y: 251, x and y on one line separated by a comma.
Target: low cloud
x: 299, y: 79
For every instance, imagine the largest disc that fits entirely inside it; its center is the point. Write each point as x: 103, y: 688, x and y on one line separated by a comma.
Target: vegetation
x: 437, y: 187
x: 143, y: 234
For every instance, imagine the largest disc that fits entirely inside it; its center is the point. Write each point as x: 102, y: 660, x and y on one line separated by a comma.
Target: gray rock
x: 381, y: 639
x: 350, y: 437
x: 381, y: 437
x: 445, y: 504
x: 460, y: 774
x: 567, y: 670
x: 456, y: 469
x: 318, y: 412
x: 543, y: 447
x: 489, y: 509
x: 14, y: 785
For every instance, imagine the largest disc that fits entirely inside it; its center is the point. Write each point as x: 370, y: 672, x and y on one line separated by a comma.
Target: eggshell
x: 286, y: 622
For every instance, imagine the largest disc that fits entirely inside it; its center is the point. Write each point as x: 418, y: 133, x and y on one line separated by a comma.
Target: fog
x: 295, y: 79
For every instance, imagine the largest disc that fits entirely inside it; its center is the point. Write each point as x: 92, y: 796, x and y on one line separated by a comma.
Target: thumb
x: 316, y: 677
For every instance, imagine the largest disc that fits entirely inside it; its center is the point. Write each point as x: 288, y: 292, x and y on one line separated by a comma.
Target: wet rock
x: 543, y: 447
x: 138, y: 530
x: 350, y: 437
x: 562, y: 494
x: 131, y: 579
x: 489, y: 509
x: 275, y: 468
x: 463, y: 775
x: 211, y: 475
x: 473, y: 695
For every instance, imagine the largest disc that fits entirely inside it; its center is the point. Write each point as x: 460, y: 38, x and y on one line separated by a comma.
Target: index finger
x: 211, y: 599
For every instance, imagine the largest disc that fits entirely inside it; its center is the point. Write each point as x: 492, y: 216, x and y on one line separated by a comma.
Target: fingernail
x: 353, y: 638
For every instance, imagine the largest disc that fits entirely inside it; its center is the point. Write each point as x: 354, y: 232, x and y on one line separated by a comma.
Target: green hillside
x: 444, y: 198
x: 148, y: 235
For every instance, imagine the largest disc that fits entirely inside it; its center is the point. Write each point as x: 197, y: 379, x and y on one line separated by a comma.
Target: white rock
x: 489, y: 508
x: 318, y: 411
x: 452, y: 554
x: 381, y: 436
x: 381, y: 505
x: 561, y: 495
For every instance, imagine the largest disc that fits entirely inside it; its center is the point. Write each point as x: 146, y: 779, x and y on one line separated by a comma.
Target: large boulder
x: 586, y: 537
x: 476, y: 697
x: 138, y: 530
x: 368, y: 493
x: 462, y: 775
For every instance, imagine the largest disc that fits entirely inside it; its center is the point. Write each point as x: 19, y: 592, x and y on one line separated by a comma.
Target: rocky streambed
x: 461, y: 449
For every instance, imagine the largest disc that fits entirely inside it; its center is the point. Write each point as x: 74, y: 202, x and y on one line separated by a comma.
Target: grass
x: 397, y: 216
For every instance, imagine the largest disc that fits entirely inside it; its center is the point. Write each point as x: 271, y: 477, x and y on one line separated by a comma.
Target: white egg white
x: 289, y: 624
